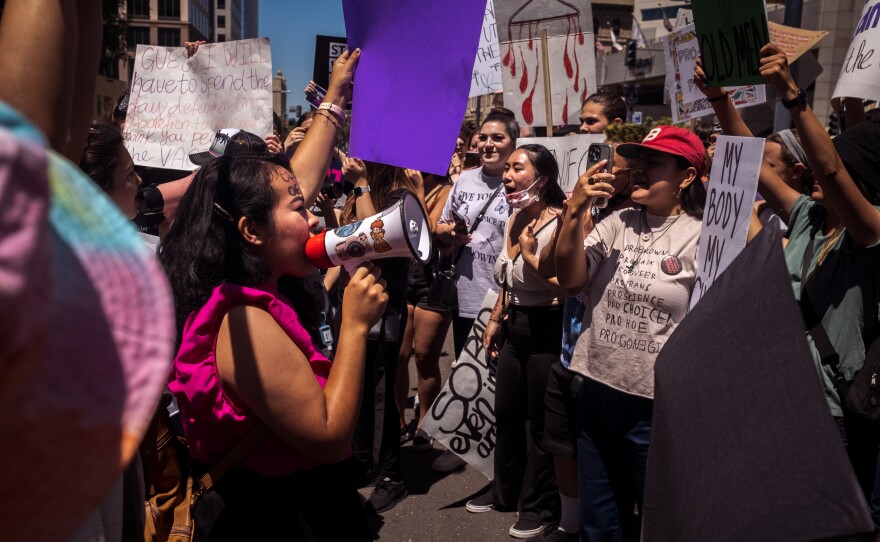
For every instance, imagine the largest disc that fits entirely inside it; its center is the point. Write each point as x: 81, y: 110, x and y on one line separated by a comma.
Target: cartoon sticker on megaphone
x: 400, y: 231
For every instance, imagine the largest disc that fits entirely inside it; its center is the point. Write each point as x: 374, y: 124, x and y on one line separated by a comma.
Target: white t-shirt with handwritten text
x: 475, y: 269
x: 639, y: 293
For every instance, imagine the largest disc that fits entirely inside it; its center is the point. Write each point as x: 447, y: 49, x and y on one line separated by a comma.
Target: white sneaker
x: 447, y: 462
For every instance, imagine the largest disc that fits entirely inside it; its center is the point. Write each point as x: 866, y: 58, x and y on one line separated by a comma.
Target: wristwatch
x: 800, y: 99
x: 358, y: 190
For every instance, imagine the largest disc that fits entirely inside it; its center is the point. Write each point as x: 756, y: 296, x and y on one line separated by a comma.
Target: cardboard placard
x: 733, y: 184
x: 462, y: 418
x: 570, y: 52
x: 486, y: 78
x: 860, y: 76
x: 681, y: 51
x: 570, y: 153
x: 178, y: 103
x: 731, y: 34
x: 794, y: 41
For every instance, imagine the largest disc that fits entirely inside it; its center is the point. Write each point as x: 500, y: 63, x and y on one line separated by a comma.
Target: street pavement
x: 434, y: 510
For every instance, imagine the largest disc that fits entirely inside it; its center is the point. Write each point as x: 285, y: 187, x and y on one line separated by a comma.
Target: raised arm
x: 861, y: 219
x: 779, y: 195
x: 572, y: 267
x: 47, y: 50
x: 312, y: 156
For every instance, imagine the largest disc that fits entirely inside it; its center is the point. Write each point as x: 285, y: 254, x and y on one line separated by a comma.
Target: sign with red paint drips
x: 572, y: 62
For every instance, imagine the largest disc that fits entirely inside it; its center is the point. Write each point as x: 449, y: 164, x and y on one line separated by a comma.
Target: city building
x: 279, y: 95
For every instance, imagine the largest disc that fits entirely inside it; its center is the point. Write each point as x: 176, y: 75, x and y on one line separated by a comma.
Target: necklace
x: 649, y: 236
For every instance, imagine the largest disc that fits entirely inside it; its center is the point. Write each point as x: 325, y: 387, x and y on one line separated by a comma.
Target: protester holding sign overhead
x: 833, y: 252
x: 640, y: 267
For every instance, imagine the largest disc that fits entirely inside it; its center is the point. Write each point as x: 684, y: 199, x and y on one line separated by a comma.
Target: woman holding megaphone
x: 378, y: 187
x: 248, y: 368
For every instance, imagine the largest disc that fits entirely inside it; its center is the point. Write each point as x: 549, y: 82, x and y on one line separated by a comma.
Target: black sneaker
x: 526, y: 528
x: 422, y: 441
x: 554, y: 534
x: 405, y: 435
x: 483, y: 503
x: 387, y: 494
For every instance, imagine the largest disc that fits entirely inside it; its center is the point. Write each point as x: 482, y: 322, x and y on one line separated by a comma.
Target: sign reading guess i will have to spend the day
x: 177, y: 103
x: 728, y: 211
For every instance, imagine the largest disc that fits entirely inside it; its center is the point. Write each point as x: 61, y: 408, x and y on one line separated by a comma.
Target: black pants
x: 461, y: 326
x: 313, y: 505
x: 862, y: 444
x: 378, y: 366
x: 524, y: 476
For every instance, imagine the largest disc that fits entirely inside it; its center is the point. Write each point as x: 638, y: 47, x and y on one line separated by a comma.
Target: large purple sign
x: 413, y: 80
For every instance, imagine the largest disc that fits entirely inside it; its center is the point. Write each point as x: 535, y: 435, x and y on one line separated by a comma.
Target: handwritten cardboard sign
x: 731, y: 34
x: 570, y: 153
x: 794, y: 42
x: 486, y: 78
x: 860, y: 74
x: 571, y: 54
x: 462, y: 417
x: 413, y: 79
x: 681, y: 50
x: 732, y: 187
x: 177, y: 103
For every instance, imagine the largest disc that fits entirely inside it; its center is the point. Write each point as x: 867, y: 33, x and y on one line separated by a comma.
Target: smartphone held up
x: 597, y: 152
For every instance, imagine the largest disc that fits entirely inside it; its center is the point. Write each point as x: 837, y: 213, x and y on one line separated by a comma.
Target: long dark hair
x: 382, y: 180
x: 99, y: 158
x: 204, y: 248
x: 545, y: 165
x: 693, y: 196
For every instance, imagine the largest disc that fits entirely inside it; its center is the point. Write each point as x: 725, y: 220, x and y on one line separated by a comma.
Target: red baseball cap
x: 671, y: 140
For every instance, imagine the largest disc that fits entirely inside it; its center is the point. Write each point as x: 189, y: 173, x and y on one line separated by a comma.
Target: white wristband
x: 337, y: 111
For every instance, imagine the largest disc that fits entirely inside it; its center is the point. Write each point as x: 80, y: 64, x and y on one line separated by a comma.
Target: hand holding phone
x: 315, y: 98
x: 597, y: 152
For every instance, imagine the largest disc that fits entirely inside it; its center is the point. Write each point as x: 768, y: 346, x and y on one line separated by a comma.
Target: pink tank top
x: 212, y: 420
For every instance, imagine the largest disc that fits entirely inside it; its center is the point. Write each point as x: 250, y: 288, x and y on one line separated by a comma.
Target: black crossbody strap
x: 813, y: 321
x: 477, y: 221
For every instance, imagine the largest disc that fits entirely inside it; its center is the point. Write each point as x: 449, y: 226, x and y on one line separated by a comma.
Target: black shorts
x: 560, y: 417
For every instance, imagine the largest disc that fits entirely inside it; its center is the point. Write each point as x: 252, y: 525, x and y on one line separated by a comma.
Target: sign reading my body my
x: 733, y: 183
x: 177, y: 103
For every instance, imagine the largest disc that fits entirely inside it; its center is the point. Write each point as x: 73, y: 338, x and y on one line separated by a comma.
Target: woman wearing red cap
x: 639, y: 264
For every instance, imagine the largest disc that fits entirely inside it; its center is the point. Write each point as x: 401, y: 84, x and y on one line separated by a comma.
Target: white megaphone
x: 401, y: 231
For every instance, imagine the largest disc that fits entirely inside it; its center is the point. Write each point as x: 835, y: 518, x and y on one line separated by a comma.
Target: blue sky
x: 291, y: 26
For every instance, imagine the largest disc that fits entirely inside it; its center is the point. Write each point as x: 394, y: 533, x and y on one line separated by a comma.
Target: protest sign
x: 462, y: 417
x: 177, y: 103
x: 860, y: 74
x: 731, y: 34
x: 570, y: 52
x: 327, y: 50
x: 794, y: 42
x: 733, y: 183
x: 681, y: 50
x: 486, y: 78
x: 413, y: 78
x: 570, y: 153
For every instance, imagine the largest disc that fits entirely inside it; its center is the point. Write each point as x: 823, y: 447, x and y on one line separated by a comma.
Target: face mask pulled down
x: 522, y: 199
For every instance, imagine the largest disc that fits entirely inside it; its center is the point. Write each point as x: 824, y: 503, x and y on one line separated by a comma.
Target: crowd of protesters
x: 253, y: 360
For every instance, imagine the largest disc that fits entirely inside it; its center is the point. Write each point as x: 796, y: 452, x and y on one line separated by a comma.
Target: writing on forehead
x: 292, y: 185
